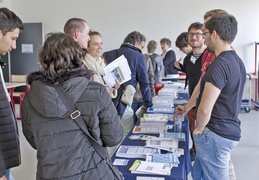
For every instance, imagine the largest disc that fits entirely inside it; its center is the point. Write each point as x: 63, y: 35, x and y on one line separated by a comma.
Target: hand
x: 180, y: 109
x: 179, y: 112
x: 177, y: 63
x: 143, y: 107
x: 3, y: 178
x: 109, y: 89
x: 198, y: 132
x: 117, y: 85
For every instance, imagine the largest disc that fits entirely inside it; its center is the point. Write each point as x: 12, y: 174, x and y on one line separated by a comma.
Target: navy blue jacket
x: 139, y: 74
x: 168, y: 62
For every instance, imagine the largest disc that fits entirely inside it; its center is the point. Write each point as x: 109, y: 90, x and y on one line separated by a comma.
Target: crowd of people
x: 74, y: 60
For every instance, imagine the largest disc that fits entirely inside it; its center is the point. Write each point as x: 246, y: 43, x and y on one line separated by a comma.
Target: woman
x: 63, y: 150
x: 94, y: 61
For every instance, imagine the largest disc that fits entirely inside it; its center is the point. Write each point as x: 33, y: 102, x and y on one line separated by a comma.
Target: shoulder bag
x: 76, y: 116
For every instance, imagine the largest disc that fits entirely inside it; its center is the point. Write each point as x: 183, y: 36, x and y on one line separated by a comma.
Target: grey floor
x: 245, y: 156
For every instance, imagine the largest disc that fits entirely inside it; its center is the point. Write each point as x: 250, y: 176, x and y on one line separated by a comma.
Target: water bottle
x: 177, y: 124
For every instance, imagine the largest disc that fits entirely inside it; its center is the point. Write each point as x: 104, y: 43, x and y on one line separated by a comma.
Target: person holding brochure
x: 93, y: 60
x: 79, y: 30
x: 130, y: 48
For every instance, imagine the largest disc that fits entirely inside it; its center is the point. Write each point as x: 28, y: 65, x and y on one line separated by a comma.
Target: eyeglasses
x: 141, y: 46
x: 205, y: 33
x: 195, y: 34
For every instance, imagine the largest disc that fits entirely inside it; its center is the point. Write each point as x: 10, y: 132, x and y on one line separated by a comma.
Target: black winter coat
x: 63, y: 150
x: 9, y: 138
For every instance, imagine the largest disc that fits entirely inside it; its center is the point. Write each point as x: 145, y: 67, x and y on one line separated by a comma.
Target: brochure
x: 117, y: 70
x: 144, y: 167
x: 135, y: 151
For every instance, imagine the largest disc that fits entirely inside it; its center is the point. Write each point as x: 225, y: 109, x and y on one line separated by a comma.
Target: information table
x: 177, y: 173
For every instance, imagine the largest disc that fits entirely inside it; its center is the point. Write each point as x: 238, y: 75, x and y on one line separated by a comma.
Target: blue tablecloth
x: 177, y: 173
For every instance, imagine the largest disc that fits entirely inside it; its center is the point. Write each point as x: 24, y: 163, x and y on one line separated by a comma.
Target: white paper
x: 117, y: 69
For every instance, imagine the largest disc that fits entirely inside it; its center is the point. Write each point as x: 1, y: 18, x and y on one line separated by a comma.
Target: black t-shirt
x: 227, y: 72
x: 193, y: 71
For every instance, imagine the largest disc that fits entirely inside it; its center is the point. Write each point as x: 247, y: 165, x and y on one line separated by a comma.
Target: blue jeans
x: 212, y: 156
x: 7, y: 174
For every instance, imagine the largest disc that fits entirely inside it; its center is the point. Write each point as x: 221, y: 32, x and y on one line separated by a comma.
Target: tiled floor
x: 245, y: 156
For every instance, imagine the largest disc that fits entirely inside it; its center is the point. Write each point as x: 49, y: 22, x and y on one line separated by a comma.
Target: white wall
x: 114, y: 19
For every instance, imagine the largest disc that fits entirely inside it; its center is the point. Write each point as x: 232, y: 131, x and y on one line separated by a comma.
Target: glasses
x: 141, y: 46
x: 195, y: 34
x: 205, y: 33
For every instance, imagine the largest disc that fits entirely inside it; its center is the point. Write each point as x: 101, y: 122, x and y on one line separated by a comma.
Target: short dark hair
x: 166, y: 40
x: 134, y: 37
x: 195, y: 25
x: 9, y: 21
x: 59, y: 53
x: 74, y: 24
x: 225, y: 25
x: 151, y: 46
x: 182, y: 40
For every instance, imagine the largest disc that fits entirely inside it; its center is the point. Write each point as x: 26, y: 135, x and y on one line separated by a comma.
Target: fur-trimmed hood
x: 44, y: 97
x: 41, y: 76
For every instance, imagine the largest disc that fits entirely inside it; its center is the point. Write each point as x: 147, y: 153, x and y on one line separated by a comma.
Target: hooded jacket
x: 9, y: 138
x: 63, y: 150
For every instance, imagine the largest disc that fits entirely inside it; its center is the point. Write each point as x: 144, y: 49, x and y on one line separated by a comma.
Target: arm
x: 3, y: 178
x: 151, y: 76
x: 111, y: 130
x: 209, y: 97
x: 142, y: 78
x: 25, y: 122
x: 169, y: 58
x: 159, y: 62
x: 182, y: 110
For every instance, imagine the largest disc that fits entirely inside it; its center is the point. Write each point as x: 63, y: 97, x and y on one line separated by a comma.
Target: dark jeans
x: 135, y: 107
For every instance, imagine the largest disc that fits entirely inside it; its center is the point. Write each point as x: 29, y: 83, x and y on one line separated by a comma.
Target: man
x: 131, y: 49
x: 79, y: 30
x: 169, y: 72
x: 138, y: 99
x: 207, y: 58
x: 219, y: 101
x: 10, y: 26
x: 155, y: 59
x: 192, y: 67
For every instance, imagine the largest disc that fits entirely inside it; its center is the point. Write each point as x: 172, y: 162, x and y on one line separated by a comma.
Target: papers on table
x: 149, y: 129
x: 153, y: 121
x: 149, y: 178
x: 140, y: 137
x: 117, y: 69
x: 168, y: 144
x: 178, y: 136
x: 135, y: 151
x: 121, y: 162
x: 164, y: 158
x: 157, y: 109
x: 144, y: 167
